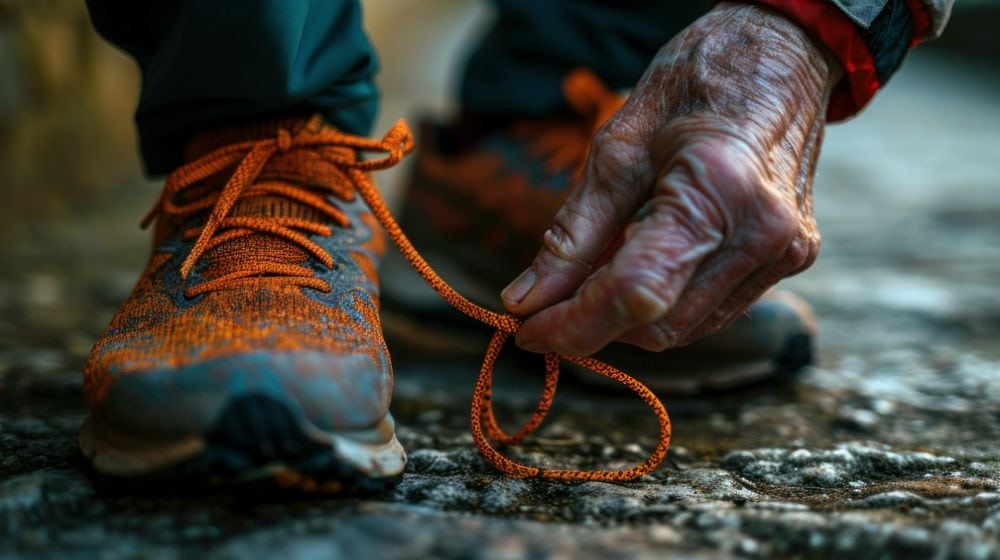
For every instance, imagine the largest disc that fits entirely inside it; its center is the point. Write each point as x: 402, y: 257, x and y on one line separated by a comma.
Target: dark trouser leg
x: 519, y: 67
x: 207, y: 63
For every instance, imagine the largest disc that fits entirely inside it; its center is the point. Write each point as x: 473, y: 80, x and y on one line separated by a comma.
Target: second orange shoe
x: 479, y: 200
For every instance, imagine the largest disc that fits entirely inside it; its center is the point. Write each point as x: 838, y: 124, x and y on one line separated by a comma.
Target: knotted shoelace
x: 345, y: 172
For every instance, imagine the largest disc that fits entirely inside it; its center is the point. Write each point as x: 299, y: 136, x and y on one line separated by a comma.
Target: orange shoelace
x: 329, y: 144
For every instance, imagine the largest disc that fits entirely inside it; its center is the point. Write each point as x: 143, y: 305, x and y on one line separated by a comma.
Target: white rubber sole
x: 372, y: 454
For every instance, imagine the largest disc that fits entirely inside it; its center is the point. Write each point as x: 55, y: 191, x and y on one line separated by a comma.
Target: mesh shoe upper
x: 284, y: 280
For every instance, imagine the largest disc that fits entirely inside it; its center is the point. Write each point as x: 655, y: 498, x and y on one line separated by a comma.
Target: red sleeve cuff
x: 831, y: 27
x: 921, y: 20
x: 852, y: 46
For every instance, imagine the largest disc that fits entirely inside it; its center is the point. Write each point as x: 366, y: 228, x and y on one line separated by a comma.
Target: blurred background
x: 73, y: 191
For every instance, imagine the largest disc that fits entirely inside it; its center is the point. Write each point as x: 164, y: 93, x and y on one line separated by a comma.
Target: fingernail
x: 519, y: 288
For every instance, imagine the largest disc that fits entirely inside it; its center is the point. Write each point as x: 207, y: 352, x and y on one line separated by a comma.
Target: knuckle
x: 780, y: 228
x: 615, y: 162
x: 559, y: 242
x: 803, y: 251
x: 601, y: 140
x: 606, y: 162
x: 815, y: 243
x: 798, y: 254
x: 639, y: 298
x: 785, y: 223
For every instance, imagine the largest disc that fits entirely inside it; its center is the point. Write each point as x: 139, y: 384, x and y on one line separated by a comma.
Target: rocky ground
x: 887, y: 447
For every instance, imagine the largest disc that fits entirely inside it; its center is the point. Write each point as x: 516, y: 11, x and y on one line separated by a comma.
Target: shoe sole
x: 256, y: 438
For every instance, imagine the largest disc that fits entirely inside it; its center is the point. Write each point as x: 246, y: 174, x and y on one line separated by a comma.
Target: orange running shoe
x: 251, y: 346
x: 479, y: 200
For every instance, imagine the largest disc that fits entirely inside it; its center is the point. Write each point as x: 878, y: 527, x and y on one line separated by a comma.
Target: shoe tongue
x: 274, y: 207
x: 258, y: 248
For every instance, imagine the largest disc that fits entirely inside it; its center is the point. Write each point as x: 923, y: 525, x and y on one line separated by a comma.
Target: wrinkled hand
x: 719, y: 141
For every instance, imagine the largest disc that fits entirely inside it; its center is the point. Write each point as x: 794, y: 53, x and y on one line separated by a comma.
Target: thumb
x: 611, y: 191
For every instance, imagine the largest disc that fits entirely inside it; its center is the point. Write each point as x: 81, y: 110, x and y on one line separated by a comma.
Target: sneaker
x: 251, y: 347
x: 480, y: 197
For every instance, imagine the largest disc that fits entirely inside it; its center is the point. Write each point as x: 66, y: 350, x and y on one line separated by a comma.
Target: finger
x: 735, y: 307
x: 765, y: 249
x: 612, y: 189
x: 638, y: 286
x: 712, y: 284
x: 801, y: 253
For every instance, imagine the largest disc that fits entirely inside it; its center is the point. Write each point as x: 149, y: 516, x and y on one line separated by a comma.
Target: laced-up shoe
x: 251, y: 346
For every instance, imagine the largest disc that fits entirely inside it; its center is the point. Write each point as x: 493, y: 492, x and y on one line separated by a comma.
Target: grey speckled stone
x: 847, y: 462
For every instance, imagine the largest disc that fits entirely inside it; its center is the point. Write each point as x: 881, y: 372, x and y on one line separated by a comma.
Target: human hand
x: 719, y: 141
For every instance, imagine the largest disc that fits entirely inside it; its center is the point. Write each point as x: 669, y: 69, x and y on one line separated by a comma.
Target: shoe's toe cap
x: 333, y: 392
x: 771, y: 322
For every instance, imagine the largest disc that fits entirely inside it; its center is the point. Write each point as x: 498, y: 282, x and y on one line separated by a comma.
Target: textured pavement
x: 888, y: 447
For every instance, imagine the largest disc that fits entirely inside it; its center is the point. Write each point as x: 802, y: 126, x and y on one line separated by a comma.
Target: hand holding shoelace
x: 718, y: 145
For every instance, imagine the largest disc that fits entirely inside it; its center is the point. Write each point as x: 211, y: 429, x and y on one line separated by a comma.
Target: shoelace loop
x: 487, y: 434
